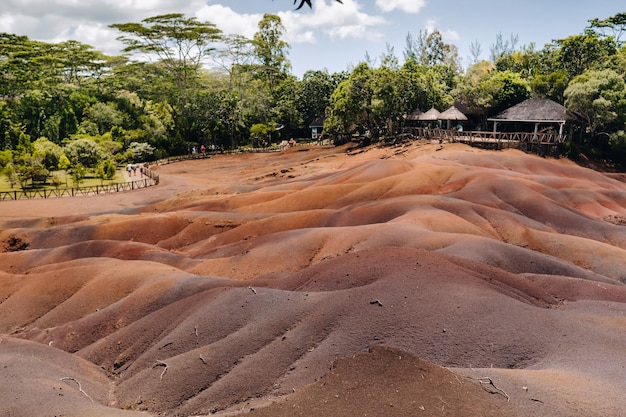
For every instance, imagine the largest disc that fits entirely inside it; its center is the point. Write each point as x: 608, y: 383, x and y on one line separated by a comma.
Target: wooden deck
x: 541, y: 143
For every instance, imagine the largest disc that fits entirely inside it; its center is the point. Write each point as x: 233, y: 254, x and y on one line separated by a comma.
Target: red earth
x: 413, y: 280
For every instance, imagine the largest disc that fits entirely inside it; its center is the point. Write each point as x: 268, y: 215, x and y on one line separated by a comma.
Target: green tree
x: 387, y: 100
x: 181, y: 45
x: 260, y: 131
x: 350, y: 106
x: 420, y: 87
x: 31, y: 168
x: 470, y: 91
x: 6, y: 157
x: 615, y: 24
x: 50, y: 151
x: 502, y: 47
x: 11, y: 174
x: 617, y: 143
x: 428, y: 48
x: 64, y: 164
x: 505, y: 89
x: 575, y: 54
x: 78, y: 174
x: 105, y: 116
x: 313, y: 94
x: 271, y: 50
x: 80, y: 62
x: 105, y: 170
x: 599, y: 96
x: 141, y: 151
x: 285, y: 106
x: 551, y: 86
x: 85, y: 152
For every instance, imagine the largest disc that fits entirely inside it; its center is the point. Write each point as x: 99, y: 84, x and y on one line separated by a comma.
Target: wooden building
x: 537, y: 115
x: 317, y: 126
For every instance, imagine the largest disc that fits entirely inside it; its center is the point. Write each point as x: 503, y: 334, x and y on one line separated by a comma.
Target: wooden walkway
x: 541, y: 143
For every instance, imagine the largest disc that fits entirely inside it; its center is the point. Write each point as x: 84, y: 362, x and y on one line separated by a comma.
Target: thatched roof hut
x: 452, y: 113
x: 430, y: 116
x: 414, y: 116
x: 540, y: 110
x: 535, y: 110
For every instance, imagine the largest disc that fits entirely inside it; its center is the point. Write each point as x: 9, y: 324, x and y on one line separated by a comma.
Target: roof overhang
x: 527, y: 121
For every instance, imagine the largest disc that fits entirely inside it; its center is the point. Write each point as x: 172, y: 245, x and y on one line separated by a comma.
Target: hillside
x: 320, y: 281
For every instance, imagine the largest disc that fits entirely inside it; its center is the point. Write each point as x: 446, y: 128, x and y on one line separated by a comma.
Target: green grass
x: 86, y: 182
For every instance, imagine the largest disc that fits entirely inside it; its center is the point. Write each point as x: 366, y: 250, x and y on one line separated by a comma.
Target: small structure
x: 317, y: 127
x: 413, y: 118
x: 452, y: 114
x: 430, y: 118
x: 541, y: 113
x: 431, y: 115
x: 476, y: 118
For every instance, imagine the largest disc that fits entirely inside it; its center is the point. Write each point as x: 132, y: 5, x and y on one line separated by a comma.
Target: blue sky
x: 331, y: 36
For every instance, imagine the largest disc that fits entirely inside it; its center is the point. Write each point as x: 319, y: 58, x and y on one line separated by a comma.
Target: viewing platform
x: 541, y: 143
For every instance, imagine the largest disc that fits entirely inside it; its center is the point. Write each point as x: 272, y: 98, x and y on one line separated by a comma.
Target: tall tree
x: 502, y: 47
x: 577, y: 53
x: 428, y: 48
x: 615, y: 24
x: 313, y: 95
x: 475, y: 50
x: 270, y: 49
x: 181, y: 45
x: 599, y: 96
x: 351, y: 104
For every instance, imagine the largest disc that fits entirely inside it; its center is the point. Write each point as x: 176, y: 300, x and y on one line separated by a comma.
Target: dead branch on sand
x: 80, y: 388
x: 161, y: 363
x: 488, y: 381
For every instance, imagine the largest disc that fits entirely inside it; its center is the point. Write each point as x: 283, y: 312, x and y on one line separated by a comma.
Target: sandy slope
x: 244, y: 280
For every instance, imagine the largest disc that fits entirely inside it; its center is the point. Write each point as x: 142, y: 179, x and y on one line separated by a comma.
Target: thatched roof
x: 536, y: 110
x: 430, y: 115
x: 414, y: 115
x: 452, y: 113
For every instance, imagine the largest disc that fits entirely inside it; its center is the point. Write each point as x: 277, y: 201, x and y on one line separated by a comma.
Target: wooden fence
x: 151, y: 178
x: 541, y: 143
x: 479, y: 137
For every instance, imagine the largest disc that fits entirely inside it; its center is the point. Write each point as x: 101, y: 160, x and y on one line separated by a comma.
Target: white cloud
x: 407, y: 6
x: 448, y: 35
x: 84, y: 20
x: 338, y: 21
x: 229, y: 21
x: 94, y: 34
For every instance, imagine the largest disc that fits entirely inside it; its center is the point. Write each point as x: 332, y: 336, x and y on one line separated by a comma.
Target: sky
x: 331, y: 36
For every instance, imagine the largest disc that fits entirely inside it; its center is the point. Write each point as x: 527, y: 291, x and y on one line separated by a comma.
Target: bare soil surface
x: 413, y: 280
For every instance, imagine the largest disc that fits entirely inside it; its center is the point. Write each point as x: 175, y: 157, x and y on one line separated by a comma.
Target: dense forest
x: 182, y: 83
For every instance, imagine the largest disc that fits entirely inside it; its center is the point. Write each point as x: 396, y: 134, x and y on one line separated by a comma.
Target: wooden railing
x: 484, y: 137
x: 151, y: 178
